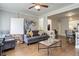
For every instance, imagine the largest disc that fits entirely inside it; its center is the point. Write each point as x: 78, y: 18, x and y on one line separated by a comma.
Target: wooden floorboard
x: 67, y: 49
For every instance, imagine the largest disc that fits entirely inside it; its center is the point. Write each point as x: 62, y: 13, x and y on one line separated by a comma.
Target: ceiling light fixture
x: 70, y: 14
x: 37, y: 7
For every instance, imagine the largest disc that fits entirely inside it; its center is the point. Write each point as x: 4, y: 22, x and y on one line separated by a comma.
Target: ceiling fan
x: 38, y: 6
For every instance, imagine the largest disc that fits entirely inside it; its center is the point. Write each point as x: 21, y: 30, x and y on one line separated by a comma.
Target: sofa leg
x: 38, y: 47
x: 27, y: 44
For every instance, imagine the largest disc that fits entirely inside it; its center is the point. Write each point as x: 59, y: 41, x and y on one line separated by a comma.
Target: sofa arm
x: 9, y: 44
x: 26, y: 39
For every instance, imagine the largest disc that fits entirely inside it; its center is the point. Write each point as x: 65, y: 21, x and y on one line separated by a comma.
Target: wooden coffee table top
x: 51, y: 42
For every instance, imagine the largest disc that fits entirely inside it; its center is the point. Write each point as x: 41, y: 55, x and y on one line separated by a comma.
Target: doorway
x: 49, y: 27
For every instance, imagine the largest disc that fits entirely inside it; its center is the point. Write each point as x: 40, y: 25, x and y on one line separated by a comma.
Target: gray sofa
x: 9, y: 41
x: 29, y: 40
x: 35, y: 38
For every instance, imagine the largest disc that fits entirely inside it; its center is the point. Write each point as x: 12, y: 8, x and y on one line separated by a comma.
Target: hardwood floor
x: 32, y: 50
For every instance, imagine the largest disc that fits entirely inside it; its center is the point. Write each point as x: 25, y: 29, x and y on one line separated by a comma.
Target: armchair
x: 9, y: 42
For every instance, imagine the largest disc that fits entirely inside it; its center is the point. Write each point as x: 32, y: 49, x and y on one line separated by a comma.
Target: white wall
x: 5, y: 19
x: 65, y: 23
x: 64, y: 26
x: 68, y: 24
x: 73, y: 23
x: 43, y: 23
x: 54, y: 24
x: 60, y: 25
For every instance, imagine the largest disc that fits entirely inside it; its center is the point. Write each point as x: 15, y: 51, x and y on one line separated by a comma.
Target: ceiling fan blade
x: 33, y: 3
x: 36, y: 3
x: 31, y: 7
x: 46, y: 6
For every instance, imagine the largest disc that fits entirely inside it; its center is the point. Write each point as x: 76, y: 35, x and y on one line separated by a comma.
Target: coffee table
x: 49, y: 44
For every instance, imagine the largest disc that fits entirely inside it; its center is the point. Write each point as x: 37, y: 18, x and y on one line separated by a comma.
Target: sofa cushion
x: 35, y: 33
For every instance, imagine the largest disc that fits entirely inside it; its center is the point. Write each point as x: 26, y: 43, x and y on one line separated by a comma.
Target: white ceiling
x: 23, y: 8
x: 73, y: 13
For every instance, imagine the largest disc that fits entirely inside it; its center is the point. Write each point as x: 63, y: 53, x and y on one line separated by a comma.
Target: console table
x: 51, y: 44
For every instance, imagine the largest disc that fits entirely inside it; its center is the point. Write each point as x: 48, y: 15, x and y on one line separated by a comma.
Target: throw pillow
x: 30, y: 33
